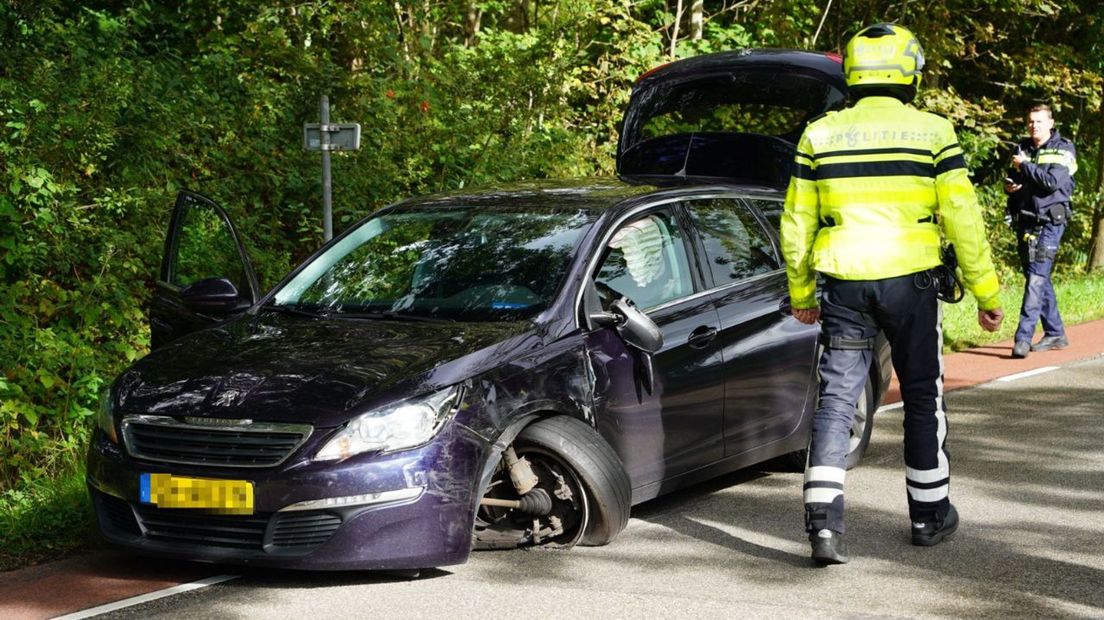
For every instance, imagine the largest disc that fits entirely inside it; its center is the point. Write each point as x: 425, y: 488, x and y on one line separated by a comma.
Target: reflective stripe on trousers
x: 911, y: 319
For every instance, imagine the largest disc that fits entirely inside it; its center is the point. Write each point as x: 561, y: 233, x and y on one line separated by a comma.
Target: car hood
x: 320, y: 371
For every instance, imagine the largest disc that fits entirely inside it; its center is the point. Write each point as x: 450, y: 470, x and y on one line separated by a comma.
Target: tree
x: 696, y: 17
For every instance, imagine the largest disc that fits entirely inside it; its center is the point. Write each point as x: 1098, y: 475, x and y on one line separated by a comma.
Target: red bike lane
x: 993, y: 361
x: 89, y: 580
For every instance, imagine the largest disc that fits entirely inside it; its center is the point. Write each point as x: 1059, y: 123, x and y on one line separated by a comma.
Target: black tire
x: 861, y: 429
x: 609, y: 492
x: 577, y: 471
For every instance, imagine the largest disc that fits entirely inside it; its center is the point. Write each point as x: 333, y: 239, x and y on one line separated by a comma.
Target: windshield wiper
x: 388, y: 315
x: 296, y: 311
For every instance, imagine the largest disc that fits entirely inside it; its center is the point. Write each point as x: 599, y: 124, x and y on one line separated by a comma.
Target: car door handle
x: 702, y: 336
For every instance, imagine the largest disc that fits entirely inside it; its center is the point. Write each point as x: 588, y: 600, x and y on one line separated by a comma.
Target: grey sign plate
x: 343, y: 136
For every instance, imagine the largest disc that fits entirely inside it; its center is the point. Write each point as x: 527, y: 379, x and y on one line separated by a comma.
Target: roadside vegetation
x: 45, y: 518
x: 108, y: 108
x: 1079, y: 299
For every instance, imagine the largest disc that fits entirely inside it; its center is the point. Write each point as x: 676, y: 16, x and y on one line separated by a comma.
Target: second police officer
x: 875, y: 189
x: 1039, y: 188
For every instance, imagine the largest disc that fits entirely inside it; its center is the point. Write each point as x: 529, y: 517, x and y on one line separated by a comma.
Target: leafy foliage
x: 107, y: 108
x: 44, y: 518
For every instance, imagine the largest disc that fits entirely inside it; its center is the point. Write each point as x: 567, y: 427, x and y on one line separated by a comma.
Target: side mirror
x: 635, y: 327
x: 212, y: 296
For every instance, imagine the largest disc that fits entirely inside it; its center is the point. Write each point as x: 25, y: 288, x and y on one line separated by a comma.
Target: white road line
x: 145, y: 598
x: 1005, y: 379
x: 1028, y: 373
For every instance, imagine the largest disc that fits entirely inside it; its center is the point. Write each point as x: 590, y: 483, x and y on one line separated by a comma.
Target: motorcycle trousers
x: 906, y: 309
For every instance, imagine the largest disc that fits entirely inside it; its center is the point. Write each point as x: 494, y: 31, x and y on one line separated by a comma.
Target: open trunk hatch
x: 735, y: 116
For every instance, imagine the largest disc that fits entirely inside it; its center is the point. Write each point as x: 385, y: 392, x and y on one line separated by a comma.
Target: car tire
x: 861, y: 429
x: 608, y: 489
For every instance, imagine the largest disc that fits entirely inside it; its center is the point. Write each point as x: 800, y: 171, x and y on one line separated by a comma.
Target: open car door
x: 731, y: 116
x: 206, y: 276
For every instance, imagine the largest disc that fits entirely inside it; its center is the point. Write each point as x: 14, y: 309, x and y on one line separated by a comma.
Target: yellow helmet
x: 883, y: 55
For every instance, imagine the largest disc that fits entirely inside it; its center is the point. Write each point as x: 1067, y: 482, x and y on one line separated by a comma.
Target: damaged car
x: 495, y: 369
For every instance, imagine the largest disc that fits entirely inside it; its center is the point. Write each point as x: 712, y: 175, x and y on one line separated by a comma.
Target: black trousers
x: 910, y: 315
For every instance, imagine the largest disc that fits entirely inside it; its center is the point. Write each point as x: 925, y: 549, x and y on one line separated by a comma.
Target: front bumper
x: 408, y: 510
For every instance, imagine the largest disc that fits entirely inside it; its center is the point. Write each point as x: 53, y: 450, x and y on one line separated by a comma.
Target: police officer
x: 1039, y: 187
x: 872, y: 187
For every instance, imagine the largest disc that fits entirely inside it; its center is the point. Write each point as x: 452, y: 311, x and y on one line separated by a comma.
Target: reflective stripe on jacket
x: 869, y: 183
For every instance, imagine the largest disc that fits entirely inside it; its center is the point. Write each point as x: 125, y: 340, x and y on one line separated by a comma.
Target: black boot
x: 931, y: 533
x: 828, y: 547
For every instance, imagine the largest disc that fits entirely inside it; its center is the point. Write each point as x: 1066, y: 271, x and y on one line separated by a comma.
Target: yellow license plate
x: 221, y: 496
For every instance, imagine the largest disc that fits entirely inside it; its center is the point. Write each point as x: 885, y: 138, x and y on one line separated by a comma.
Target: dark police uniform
x: 1040, y: 211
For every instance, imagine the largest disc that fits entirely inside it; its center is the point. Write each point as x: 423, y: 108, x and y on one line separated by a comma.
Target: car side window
x: 646, y: 261
x: 736, y: 246
x: 205, y: 248
x: 771, y: 209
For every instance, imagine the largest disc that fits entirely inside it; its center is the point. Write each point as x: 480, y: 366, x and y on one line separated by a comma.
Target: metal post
x: 327, y: 206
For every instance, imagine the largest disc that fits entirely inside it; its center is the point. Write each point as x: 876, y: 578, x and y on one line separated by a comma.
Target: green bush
x: 45, y: 518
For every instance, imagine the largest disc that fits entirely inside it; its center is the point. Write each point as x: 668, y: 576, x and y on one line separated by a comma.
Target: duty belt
x: 828, y: 221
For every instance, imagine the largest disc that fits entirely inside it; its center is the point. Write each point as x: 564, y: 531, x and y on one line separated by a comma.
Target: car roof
x: 591, y: 194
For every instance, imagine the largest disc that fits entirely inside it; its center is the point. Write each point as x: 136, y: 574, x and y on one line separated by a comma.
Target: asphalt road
x: 1027, y: 477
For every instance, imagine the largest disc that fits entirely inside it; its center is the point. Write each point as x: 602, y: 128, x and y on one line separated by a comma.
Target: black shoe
x: 828, y: 547
x: 1020, y: 349
x: 933, y: 532
x: 1050, y: 342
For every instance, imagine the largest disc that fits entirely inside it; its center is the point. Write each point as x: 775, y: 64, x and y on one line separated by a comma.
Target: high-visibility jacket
x: 871, y: 187
x: 1047, y: 181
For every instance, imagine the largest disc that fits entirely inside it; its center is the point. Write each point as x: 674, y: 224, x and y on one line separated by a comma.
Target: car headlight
x: 105, y: 416
x: 397, y: 426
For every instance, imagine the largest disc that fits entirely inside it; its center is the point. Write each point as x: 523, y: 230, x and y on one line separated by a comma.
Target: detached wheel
x: 861, y: 428
x: 577, y: 471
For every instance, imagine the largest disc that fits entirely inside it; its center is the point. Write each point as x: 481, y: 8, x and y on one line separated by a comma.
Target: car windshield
x: 459, y: 263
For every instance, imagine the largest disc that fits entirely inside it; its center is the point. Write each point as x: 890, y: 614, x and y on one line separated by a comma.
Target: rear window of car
x: 760, y: 102
x: 712, y: 110
x: 739, y: 126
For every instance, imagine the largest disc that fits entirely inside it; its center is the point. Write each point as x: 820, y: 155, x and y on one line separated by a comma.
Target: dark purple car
x: 495, y: 369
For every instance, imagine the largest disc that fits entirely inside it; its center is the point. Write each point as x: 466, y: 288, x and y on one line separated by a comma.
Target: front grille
x: 304, y: 530
x: 240, y: 444
x: 287, y: 533
x: 191, y: 528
